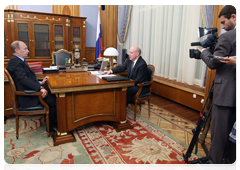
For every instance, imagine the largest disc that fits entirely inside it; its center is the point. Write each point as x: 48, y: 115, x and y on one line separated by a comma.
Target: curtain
x: 207, y: 12
x: 164, y: 33
x: 124, y: 12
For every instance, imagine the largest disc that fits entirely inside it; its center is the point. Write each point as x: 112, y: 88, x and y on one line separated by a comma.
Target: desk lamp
x: 110, y: 51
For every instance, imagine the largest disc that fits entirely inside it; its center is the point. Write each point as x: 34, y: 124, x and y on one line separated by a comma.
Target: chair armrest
x: 145, y: 83
x: 33, y: 93
x: 141, y: 85
x: 28, y: 93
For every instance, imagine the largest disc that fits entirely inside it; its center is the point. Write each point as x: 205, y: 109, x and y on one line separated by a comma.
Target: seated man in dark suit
x: 25, y: 79
x: 136, y: 68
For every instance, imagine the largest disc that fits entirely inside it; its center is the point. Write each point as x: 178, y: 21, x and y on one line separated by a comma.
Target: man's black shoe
x: 52, y: 129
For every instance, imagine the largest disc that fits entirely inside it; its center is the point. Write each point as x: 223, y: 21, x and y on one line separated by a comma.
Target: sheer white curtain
x: 164, y: 33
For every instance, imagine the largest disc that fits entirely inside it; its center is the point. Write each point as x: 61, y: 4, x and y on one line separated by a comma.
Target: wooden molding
x: 15, y: 7
x: 72, y: 10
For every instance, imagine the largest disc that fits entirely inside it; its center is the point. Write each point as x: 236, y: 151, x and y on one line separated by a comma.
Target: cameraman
x: 224, y: 93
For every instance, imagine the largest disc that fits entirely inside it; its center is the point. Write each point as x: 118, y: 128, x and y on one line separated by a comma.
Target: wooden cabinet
x: 43, y: 33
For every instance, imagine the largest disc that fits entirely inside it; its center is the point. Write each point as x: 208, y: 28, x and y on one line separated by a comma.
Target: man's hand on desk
x: 107, y: 72
x: 44, y: 93
x: 45, y: 79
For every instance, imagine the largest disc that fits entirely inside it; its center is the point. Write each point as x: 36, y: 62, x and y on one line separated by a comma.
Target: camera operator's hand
x: 229, y: 60
x: 201, y: 49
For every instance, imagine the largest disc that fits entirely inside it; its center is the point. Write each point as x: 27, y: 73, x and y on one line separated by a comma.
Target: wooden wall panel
x: 72, y: 10
x: 180, y: 96
x: 90, y: 54
x: 11, y: 7
x: 211, y: 73
x: 109, y: 26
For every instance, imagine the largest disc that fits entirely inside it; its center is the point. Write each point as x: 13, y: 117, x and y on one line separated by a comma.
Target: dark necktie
x: 131, y: 69
x: 25, y: 62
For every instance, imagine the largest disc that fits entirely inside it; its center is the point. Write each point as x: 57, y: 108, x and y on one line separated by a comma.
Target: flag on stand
x: 99, y: 46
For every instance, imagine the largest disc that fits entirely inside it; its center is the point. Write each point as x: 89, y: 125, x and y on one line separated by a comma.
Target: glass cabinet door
x: 5, y: 45
x: 77, y: 38
x: 58, y: 37
x: 23, y: 33
x: 41, y: 37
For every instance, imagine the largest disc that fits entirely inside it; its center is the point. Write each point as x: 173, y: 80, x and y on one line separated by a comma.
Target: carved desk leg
x: 62, y: 136
x: 123, y: 124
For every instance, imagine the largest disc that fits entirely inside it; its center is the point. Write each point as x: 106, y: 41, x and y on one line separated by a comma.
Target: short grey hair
x: 138, y: 50
x: 15, y: 45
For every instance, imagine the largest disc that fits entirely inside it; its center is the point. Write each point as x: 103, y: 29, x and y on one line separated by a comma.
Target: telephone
x: 105, y: 59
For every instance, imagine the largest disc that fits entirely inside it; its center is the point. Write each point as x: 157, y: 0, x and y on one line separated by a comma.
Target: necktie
x: 131, y: 69
x: 25, y: 62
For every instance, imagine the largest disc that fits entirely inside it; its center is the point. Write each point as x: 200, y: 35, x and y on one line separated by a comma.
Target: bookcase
x: 43, y: 33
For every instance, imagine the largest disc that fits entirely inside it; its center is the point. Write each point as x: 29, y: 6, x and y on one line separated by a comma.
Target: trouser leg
x: 131, y: 92
x: 223, y: 119
x: 50, y: 99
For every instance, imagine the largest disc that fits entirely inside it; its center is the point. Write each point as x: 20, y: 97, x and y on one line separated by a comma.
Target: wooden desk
x: 83, y: 98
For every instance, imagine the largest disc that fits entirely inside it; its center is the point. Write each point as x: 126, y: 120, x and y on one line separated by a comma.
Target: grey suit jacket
x: 224, y: 93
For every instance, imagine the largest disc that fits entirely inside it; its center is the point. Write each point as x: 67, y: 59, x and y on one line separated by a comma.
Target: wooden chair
x: 58, y: 57
x: 18, y: 111
x: 140, y: 97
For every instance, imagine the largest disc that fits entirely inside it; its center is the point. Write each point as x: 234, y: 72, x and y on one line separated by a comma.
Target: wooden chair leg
x: 17, y: 126
x: 148, y: 107
x: 140, y: 106
x: 47, y: 118
x: 135, y: 111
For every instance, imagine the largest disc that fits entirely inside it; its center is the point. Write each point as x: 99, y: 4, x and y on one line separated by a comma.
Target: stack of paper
x: 95, y: 72
x: 36, y: 67
x: 105, y: 75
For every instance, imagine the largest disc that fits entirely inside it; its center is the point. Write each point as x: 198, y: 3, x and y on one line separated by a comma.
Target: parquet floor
x: 174, y: 118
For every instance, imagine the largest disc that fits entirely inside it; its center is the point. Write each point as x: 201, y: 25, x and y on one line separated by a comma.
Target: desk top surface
x: 79, y: 81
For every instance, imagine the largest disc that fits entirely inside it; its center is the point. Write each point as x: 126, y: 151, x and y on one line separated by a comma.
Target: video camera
x: 210, y: 42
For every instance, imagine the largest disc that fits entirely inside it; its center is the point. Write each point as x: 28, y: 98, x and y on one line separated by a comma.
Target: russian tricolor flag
x: 99, y: 46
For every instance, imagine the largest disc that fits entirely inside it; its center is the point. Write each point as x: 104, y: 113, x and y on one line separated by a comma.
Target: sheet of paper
x: 105, y: 75
x: 95, y: 72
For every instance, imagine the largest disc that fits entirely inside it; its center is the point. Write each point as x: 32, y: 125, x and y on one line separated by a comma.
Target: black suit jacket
x: 139, y: 72
x: 24, y: 79
x: 224, y: 93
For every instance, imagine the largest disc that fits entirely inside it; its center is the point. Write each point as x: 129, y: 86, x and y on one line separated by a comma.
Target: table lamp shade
x: 110, y: 51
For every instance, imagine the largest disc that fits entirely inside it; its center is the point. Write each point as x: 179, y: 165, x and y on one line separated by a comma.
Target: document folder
x: 115, y: 78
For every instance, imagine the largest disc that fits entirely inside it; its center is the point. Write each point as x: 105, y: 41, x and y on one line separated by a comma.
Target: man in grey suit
x: 224, y: 93
x: 137, y: 70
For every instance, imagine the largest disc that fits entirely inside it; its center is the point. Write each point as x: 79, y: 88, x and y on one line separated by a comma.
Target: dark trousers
x: 131, y: 92
x: 50, y: 99
x: 223, y: 119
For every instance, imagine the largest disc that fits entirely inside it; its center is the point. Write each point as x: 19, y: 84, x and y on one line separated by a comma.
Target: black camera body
x: 210, y: 42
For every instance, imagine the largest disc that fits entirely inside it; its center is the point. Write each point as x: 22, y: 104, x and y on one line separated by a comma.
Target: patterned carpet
x: 97, y: 143
x: 173, y: 124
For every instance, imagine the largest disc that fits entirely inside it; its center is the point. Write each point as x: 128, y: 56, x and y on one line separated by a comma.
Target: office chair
x: 59, y: 58
x: 139, y: 97
x: 18, y: 111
